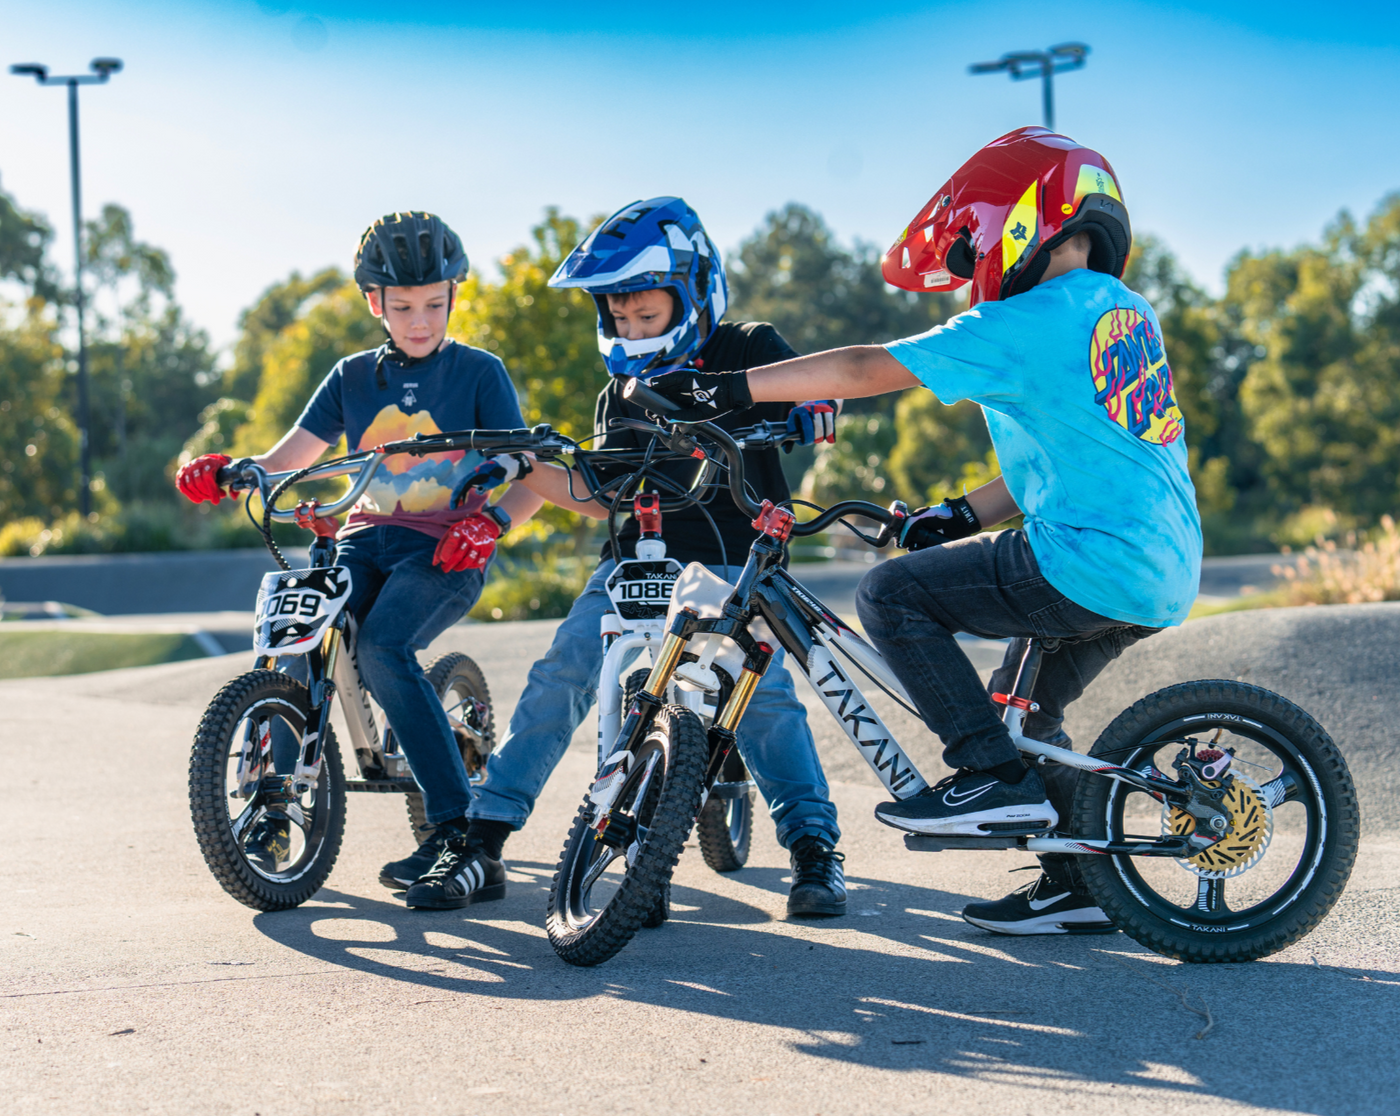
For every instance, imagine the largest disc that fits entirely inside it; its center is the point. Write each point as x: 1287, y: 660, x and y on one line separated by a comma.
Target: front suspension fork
x: 308, y: 769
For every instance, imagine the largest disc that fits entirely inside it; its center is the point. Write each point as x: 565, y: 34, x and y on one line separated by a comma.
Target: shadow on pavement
x: 902, y: 983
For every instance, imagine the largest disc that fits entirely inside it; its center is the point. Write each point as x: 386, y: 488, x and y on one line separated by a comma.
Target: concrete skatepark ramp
x: 122, y: 962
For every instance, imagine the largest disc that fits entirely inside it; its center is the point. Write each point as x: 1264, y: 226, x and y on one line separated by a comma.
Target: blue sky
x: 252, y: 138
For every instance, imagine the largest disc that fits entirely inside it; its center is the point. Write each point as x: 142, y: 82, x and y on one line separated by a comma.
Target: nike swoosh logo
x: 958, y: 799
x: 1041, y: 904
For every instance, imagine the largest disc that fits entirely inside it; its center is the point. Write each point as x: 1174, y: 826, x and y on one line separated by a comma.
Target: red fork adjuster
x: 774, y: 522
x: 1018, y: 703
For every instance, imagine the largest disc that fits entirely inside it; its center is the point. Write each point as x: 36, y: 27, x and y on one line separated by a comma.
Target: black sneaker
x: 974, y: 804
x: 463, y: 875
x: 1042, y: 907
x: 269, y: 845
x: 400, y: 875
x: 818, y: 883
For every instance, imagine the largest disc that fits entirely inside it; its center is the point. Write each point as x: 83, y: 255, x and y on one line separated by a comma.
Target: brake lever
x: 890, y: 532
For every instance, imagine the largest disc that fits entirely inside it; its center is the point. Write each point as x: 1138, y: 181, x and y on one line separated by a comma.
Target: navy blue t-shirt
x: 458, y: 389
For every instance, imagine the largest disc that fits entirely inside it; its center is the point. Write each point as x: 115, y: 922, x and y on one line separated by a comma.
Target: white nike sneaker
x: 1043, y: 907
x: 974, y: 804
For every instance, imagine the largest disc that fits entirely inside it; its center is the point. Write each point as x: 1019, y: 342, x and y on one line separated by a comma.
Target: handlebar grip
x: 634, y: 391
x: 227, y: 475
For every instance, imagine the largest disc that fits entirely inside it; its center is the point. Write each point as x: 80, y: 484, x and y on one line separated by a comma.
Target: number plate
x: 641, y: 591
x: 296, y: 607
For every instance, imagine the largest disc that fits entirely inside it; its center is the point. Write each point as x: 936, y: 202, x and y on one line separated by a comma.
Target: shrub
x: 1328, y: 573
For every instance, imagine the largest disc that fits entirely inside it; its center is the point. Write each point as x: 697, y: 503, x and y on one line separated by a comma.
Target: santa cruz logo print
x: 1132, y: 380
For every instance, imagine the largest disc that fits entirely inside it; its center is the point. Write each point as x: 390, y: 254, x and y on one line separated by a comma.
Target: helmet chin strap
x: 391, y: 351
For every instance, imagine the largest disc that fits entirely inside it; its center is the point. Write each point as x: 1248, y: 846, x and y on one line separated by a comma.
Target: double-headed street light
x: 1044, y: 64
x: 102, y: 69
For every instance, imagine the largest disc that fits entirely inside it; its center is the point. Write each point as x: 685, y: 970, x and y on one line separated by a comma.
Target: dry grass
x: 1332, y: 572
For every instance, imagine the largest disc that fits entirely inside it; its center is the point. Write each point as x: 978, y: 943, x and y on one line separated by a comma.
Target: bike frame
x: 829, y: 655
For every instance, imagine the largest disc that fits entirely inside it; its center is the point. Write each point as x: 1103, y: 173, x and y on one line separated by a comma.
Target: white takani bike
x: 1213, y: 820
x: 640, y: 592
x: 271, y: 834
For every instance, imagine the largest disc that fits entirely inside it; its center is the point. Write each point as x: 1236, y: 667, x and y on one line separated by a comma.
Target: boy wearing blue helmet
x: 661, y: 294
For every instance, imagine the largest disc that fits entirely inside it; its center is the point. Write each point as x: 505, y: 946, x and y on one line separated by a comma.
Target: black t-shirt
x: 733, y: 347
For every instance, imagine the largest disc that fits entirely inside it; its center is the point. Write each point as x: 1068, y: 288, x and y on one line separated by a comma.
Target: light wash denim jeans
x: 773, y: 737
x: 402, y: 602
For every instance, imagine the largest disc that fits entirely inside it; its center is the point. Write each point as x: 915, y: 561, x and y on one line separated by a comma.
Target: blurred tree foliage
x: 820, y: 295
x: 333, y: 324
x: 548, y: 340
x: 150, y: 368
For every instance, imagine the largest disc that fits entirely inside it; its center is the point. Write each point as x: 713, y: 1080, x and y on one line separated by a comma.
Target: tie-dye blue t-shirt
x: 1074, y: 382
x: 458, y: 389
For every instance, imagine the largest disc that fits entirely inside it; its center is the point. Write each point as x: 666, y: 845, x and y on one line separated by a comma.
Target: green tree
x: 24, y: 245
x: 329, y: 327
x: 548, y: 338
x: 821, y: 295
x: 38, y: 442
x: 1322, y: 397
x: 151, y: 370
x: 262, y: 324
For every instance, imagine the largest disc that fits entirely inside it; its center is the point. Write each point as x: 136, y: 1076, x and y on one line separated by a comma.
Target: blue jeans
x: 773, y: 737
x: 402, y: 602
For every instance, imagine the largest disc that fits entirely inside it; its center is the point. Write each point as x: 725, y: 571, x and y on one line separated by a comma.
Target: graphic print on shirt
x: 1132, y: 380
x: 404, y: 483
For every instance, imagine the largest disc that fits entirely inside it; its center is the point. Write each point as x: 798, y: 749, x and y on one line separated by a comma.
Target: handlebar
x: 243, y: 475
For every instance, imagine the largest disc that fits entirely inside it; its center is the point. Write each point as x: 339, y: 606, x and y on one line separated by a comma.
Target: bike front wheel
x: 268, y: 847
x: 1291, y: 843
x: 725, y: 826
x: 609, y: 884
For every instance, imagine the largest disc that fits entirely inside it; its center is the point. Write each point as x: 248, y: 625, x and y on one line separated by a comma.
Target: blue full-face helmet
x: 650, y: 245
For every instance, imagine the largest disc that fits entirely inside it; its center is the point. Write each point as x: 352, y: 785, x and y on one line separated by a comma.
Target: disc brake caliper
x: 1229, y: 808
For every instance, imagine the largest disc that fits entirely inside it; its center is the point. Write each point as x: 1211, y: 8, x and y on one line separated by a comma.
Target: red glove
x: 197, y: 480
x: 468, y: 545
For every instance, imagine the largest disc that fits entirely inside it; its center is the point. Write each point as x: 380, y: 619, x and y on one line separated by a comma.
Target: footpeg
x: 918, y: 842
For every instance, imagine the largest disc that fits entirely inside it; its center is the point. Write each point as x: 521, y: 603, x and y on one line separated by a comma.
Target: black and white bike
x: 1213, y: 820
x: 270, y: 836
x: 640, y: 592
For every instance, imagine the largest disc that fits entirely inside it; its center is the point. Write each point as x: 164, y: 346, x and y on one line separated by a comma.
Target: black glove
x: 952, y: 519
x: 702, y: 396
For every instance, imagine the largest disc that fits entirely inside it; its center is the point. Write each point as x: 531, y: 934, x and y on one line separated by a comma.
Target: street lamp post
x: 1044, y: 64
x: 102, y: 68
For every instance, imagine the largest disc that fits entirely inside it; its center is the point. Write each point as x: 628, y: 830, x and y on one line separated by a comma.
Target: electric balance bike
x: 271, y: 836
x: 1213, y: 820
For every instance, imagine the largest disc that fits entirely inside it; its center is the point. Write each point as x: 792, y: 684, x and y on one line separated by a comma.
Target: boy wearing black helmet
x: 1069, y: 368
x: 660, y: 289
x: 417, y: 565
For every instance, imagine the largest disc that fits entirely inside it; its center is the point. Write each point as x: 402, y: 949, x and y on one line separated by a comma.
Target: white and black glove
x: 925, y: 527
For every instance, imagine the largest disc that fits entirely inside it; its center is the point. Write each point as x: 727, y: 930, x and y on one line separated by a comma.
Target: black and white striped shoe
x: 463, y: 875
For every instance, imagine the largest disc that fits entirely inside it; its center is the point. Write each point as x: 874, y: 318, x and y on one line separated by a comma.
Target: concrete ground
x: 130, y: 982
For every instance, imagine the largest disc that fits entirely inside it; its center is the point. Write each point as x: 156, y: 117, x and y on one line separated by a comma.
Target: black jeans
x: 991, y: 586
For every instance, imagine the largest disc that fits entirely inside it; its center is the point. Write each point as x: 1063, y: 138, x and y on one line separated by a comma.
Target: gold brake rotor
x: 1251, y: 828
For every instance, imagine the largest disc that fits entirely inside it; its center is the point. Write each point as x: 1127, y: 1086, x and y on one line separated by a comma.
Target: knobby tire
x: 1314, y: 885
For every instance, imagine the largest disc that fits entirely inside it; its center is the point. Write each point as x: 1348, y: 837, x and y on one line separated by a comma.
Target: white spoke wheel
x: 254, y: 705
x: 1287, y: 854
x: 602, y: 895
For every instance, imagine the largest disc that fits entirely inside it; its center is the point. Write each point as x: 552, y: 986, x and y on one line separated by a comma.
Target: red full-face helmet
x: 994, y: 222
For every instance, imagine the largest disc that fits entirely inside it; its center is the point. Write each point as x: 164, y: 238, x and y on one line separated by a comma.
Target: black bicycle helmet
x: 409, y: 250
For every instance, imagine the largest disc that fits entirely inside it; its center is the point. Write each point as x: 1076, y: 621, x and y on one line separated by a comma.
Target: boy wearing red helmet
x: 1069, y: 368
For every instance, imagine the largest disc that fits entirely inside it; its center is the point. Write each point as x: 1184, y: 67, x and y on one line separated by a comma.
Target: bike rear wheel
x: 1293, y: 837
x: 604, y: 892
x: 236, y: 812
x: 460, y: 684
